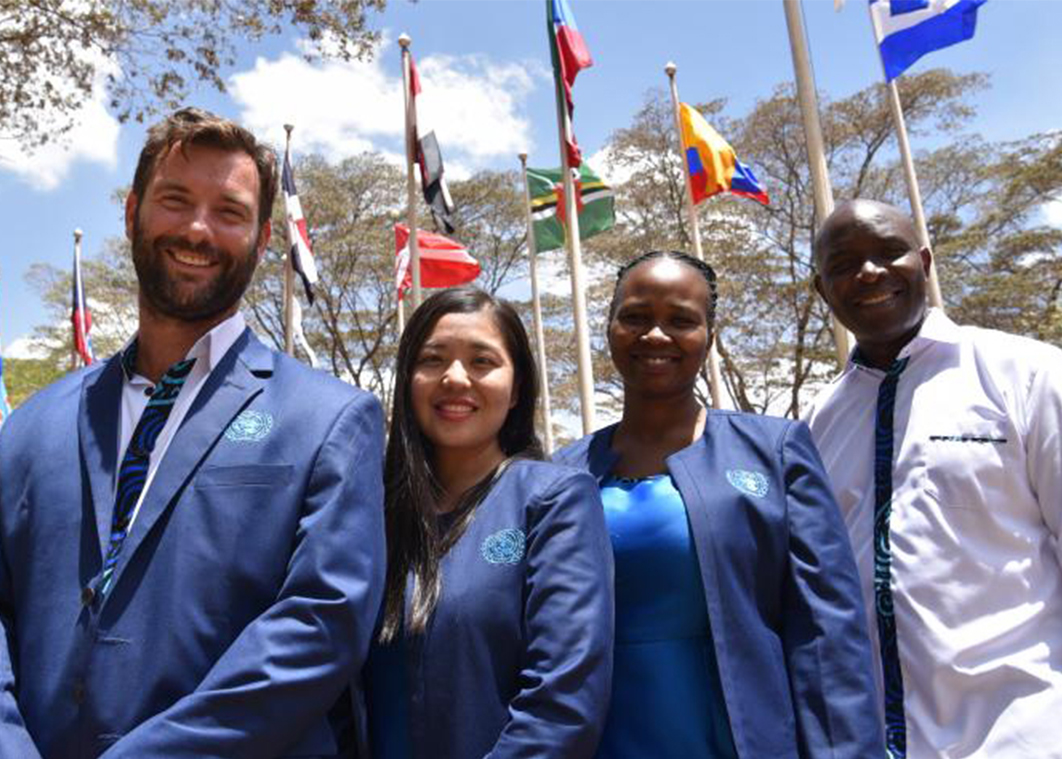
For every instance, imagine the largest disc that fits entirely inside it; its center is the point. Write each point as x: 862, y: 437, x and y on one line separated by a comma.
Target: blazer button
x: 88, y: 595
x: 79, y: 692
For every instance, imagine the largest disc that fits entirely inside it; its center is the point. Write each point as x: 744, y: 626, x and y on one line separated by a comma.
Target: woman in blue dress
x: 496, y: 634
x: 739, y: 622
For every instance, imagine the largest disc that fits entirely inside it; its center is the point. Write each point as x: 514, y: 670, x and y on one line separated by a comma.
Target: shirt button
x: 149, y: 391
x: 87, y: 595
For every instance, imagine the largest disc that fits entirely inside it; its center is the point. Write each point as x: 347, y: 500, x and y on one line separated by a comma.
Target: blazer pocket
x: 244, y: 475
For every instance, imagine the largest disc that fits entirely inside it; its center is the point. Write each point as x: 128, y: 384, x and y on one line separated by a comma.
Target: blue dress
x: 667, y: 700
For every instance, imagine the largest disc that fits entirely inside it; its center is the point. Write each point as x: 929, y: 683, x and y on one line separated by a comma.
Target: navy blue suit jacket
x: 245, y: 595
x: 780, y: 585
x: 516, y: 661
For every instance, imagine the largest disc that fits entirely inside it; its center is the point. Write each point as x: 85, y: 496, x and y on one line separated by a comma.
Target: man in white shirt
x: 191, y: 533
x: 943, y: 444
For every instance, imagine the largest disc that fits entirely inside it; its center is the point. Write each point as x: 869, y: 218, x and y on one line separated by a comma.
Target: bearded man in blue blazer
x: 191, y: 533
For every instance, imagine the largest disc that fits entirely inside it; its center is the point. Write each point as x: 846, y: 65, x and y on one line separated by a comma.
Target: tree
x: 150, y: 51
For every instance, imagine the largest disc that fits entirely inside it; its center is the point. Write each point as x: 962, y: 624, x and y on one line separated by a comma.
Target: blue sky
x: 485, y: 71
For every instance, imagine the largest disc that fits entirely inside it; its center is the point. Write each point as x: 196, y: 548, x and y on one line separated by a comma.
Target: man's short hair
x: 194, y: 126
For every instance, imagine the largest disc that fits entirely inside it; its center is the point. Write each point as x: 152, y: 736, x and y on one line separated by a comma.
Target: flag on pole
x: 301, y: 253
x: 80, y: 317
x: 594, y: 199
x: 713, y: 164
x: 299, y: 335
x: 908, y: 29
x: 443, y: 262
x: 570, y: 55
x: 5, y: 407
x: 429, y: 159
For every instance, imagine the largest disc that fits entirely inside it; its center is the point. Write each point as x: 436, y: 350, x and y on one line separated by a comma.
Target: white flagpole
x: 536, y: 312
x: 575, y: 265
x: 79, y: 307
x: 575, y: 262
x: 809, y: 109
x: 913, y: 193
x: 411, y: 159
x: 714, y: 375
x: 401, y: 317
x: 289, y: 269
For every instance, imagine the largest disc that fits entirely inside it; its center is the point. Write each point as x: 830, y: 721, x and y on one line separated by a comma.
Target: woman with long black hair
x: 497, y: 624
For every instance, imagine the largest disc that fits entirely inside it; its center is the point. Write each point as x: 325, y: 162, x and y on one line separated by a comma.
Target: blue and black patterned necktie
x: 133, y: 473
x: 895, y: 722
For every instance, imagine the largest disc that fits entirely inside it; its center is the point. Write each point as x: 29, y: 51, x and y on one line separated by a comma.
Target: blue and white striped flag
x: 908, y: 29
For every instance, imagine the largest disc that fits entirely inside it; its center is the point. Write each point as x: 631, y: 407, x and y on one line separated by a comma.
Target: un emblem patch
x: 753, y: 483
x: 504, y: 547
x: 250, y: 427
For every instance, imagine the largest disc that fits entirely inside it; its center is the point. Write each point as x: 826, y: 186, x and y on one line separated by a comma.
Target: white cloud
x: 93, y: 139
x: 605, y: 166
x: 341, y: 108
x: 1053, y: 212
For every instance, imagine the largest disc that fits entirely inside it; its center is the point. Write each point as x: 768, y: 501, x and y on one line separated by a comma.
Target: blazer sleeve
x: 824, y: 626
x: 559, y: 711
x: 289, y: 665
x: 15, y: 739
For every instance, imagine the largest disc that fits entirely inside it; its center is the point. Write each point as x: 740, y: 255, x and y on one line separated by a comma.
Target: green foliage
x: 25, y: 376
x: 150, y: 51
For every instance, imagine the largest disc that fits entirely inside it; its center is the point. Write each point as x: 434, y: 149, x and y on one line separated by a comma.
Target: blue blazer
x: 517, y: 658
x: 780, y: 584
x: 246, y: 592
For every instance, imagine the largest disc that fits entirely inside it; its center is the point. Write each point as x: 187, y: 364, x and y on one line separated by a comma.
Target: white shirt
x: 975, y: 525
x: 136, y: 390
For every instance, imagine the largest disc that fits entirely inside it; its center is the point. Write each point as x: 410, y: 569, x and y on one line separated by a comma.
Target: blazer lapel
x: 231, y: 386
x: 97, y: 422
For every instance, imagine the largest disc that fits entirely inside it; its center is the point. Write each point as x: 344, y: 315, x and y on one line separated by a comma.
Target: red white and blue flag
x: 301, y: 253
x: 80, y: 317
x: 570, y: 56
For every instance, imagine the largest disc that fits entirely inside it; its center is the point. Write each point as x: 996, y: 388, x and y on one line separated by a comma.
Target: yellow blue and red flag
x: 712, y: 163
x: 570, y: 56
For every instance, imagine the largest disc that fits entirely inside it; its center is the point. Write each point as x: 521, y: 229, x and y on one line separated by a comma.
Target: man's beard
x: 167, y: 296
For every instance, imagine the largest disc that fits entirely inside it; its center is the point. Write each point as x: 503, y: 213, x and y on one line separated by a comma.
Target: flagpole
x: 79, y: 312
x: 714, y: 375
x: 575, y: 266
x: 289, y: 269
x: 411, y: 181
x: 913, y: 193
x: 809, y: 110
x: 536, y: 312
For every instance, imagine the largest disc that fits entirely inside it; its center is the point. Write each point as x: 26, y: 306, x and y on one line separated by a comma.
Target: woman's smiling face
x: 462, y: 386
x: 659, y: 332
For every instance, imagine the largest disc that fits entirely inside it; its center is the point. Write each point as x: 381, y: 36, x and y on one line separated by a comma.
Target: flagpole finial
x: 77, y: 234
x: 670, y: 68
x: 404, y: 40
x: 523, y: 158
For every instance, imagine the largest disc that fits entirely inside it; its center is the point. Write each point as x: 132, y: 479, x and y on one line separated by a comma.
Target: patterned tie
x: 133, y: 473
x: 895, y: 723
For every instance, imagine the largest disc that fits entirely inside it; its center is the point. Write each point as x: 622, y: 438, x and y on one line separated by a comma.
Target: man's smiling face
x: 195, y: 233
x: 872, y: 271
